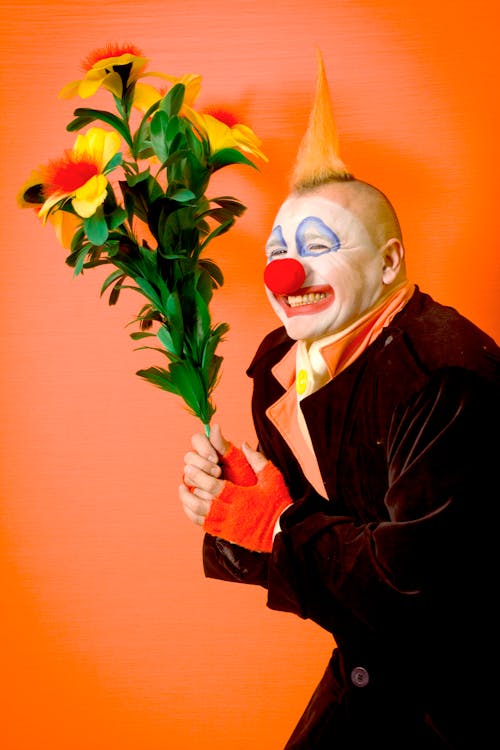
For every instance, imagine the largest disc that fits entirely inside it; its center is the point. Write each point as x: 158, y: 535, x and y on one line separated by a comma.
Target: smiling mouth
x: 308, y: 300
x: 305, y: 299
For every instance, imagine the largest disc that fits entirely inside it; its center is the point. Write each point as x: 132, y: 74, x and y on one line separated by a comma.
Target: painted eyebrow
x: 276, y: 239
x: 313, y: 224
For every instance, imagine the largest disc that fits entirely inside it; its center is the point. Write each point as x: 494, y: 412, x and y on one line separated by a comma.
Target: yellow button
x: 301, y: 383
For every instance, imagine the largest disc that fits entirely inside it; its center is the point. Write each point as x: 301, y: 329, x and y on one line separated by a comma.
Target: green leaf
x: 148, y: 291
x: 108, y: 117
x: 220, y: 214
x: 183, y: 195
x: 173, y: 225
x: 136, y: 199
x: 110, y: 279
x: 175, y: 134
x: 134, y: 179
x: 227, y: 209
x: 129, y: 286
x: 155, y: 190
x: 145, y: 310
x: 221, y: 229
x: 146, y: 316
x: 213, y: 372
x: 220, y: 330
x: 227, y: 156
x: 96, y: 228
x: 196, y: 144
x: 80, y: 260
x: 186, y: 379
x: 197, y: 175
x: 204, y: 284
x: 214, y: 271
x: 172, y: 161
x: 159, y: 377
x: 140, y: 140
x: 167, y: 340
x: 94, y: 263
x: 156, y: 349
x: 202, y: 317
x: 175, y: 319
x: 171, y: 103
x: 78, y: 238
x: 113, y: 247
x: 118, y: 216
x: 114, y: 162
x: 158, y: 213
x: 115, y: 292
x: 146, y: 153
x: 231, y: 204
x: 159, y: 125
x: 141, y: 335
x: 174, y: 311
x: 78, y: 123
x: 212, y: 343
x: 72, y: 258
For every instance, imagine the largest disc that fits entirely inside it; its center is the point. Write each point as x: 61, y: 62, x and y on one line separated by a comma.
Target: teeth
x: 305, y: 299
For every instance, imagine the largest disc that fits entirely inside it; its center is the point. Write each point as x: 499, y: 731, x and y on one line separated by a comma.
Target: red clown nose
x: 284, y: 276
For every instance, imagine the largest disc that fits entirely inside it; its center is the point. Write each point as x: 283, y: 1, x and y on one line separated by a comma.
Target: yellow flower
x: 65, y: 224
x: 35, y: 180
x: 223, y: 131
x: 115, y: 64
x: 80, y: 174
x: 146, y: 95
x: 105, y: 67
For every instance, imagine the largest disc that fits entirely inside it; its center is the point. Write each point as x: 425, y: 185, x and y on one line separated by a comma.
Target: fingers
x: 195, y: 508
x: 208, y: 485
x: 195, y: 459
x: 201, y: 472
x: 217, y: 439
x: 205, y: 454
x: 210, y: 449
x: 203, y: 457
x: 202, y: 445
x: 256, y: 459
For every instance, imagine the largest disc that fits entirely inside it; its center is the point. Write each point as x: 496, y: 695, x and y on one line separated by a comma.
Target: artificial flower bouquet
x: 132, y: 194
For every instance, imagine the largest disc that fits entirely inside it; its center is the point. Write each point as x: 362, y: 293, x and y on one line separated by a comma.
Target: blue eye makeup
x: 314, y: 237
x: 276, y: 244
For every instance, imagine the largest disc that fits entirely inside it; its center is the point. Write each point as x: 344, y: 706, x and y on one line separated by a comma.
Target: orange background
x: 111, y: 637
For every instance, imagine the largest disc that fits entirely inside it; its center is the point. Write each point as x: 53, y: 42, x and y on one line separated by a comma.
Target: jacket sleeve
x: 441, y: 453
x: 229, y: 562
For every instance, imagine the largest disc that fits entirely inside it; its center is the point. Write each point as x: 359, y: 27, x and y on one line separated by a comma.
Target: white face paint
x: 344, y: 268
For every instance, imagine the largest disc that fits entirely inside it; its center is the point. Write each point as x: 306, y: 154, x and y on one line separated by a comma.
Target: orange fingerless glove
x: 247, y: 515
x: 235, y: 467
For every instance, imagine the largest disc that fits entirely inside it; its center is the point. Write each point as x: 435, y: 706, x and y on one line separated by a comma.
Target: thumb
x: 256, y: 459
x: 218, y: 440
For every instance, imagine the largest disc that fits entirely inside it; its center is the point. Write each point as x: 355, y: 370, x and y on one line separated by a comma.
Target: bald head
x: 367, y: 202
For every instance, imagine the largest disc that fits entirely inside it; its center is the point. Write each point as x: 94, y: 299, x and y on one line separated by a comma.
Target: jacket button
x: 360, y: 677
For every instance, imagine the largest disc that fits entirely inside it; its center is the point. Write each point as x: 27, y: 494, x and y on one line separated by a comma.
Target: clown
x: 373, y: 405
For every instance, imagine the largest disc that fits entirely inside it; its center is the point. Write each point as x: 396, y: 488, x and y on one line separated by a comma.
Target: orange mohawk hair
x: 318, y: 159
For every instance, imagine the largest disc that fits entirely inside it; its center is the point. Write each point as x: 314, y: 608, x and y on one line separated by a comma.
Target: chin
x: 300, y: 331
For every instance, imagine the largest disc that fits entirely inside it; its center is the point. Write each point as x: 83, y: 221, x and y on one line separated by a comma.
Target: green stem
x: 207, y: 430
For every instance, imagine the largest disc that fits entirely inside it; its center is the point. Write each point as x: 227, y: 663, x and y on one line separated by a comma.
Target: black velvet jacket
x: 399, y: 563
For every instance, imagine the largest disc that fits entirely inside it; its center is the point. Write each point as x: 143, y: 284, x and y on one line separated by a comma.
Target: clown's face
x: 345, y: 273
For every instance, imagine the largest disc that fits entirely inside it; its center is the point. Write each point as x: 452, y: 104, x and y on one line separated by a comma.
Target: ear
x: 392, y: 257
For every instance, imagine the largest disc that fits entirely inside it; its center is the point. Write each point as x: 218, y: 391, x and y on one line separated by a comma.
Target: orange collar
x: 338, y: 351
